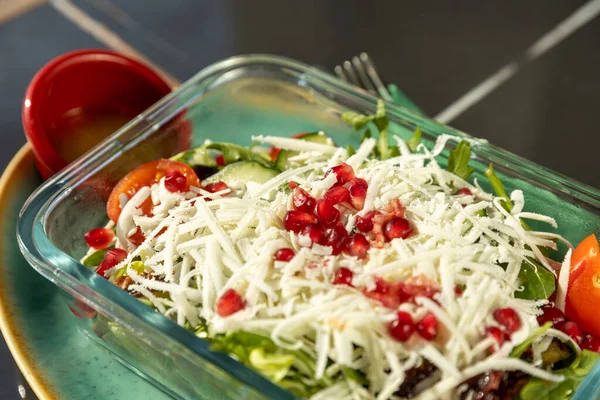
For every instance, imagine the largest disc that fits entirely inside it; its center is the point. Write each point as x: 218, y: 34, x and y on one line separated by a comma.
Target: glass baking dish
x: 230, y: 101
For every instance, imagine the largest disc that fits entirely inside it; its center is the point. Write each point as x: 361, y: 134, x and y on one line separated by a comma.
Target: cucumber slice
x: 243, y: 171
x: 282, y: 163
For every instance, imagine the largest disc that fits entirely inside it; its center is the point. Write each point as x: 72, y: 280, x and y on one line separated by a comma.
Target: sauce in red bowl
x: 79, y: 98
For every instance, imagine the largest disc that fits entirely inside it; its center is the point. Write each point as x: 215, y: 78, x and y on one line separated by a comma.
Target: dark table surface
x: 445, y: 55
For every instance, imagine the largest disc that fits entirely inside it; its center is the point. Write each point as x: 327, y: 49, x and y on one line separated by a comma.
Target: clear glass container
x: 231, y: 101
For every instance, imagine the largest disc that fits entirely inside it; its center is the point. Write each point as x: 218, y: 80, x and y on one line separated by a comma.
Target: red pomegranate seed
x: 358, y: 246
x: 111, y: 258
x: 175, y: 181
x: 99, y: 238
x: 428, y: 327
x: 315, y: 232
x: 465, y: 191
x: 551, y: 314
x: 591, y: 343
x: 292, y: 185
x: 220, y: 160
x: 337, y: 239
x: 458, y: 290
x: 343, y: 276
x: 402, y: 327
x: 344, y: 173
x: 358, y: 194
x: 359, y: 182
x: 295, y: 221
x: 496, y: 334
x: 137, y: 238
x: 285, y: 254
x: 509, y: 319
x: 303, y: 201
x: 365, y: 223
x: 338, y: 194
x: 217, y: 187
x: 326, y: 213
x: 388, y: 294
x: 230, y: 303
x: 397, y: 227
x: 572, y: 329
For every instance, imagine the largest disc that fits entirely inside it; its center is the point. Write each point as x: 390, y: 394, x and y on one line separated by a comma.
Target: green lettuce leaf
x: 459, y: 159
x: 94, y: 259
x: 520, y: 349
x: 538, y: 389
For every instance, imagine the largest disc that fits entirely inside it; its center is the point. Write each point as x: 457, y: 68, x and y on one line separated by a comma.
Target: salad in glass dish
x: 371, y: 273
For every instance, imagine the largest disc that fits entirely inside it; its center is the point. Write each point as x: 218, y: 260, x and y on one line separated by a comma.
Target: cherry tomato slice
x: 146, y: 175
x: 583, y: 294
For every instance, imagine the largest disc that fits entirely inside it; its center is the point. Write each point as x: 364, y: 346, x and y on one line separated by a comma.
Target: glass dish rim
x: 134, y: 315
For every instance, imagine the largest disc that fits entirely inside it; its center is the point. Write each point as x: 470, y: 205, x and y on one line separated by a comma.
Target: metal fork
x: 362, y: 73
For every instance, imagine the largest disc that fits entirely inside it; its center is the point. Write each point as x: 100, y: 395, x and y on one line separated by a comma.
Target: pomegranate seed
x: 295, y: 221
x: 458, y: 290
x: 175, y: 181
x: 303, y: 201
x: 591, y: 343
x: 343, y: 276
x: 358, y: 194
x: 230, y: 303
x: 358, y: 246
x: 402, y: 327
x: 551, y: 314
x: 99, y: 238
x: 428, y: 327
x: 397, y: 227
x: 137, y: 238
x: 217, y: 187
x: 315, y: 232
x: 388, y: 294
x: 337, y: 238
x: 111, y: 258
x: 326, y: 213
x: 338, y: 194
x: 571, y: 329
x: 408, y: 291
x: 344, y: 173
x: 508, y: 318
x: 359, y: 182
x: 220, y: 160
x: 365, y: 223
x: 496, y: 334
x: 292, y: 185
x: 285, y: 254
x: 465, y: 191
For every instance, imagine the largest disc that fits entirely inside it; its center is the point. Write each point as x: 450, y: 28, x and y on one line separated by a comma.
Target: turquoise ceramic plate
x: 58, y: 361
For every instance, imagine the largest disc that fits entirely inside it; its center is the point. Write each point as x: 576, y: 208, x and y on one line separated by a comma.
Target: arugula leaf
x: 357, y: 120
x: 382, y: 150
x: 94, y: 259
x: 538, y: 282
x: 498, y: 187
x: 520, y: 349
x: 537, y: 389
x: 459, y: 159
x: 351, y: 150
x: 414, y: 141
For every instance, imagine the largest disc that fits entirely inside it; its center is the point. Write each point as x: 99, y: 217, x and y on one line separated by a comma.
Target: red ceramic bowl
x: 97, y: 80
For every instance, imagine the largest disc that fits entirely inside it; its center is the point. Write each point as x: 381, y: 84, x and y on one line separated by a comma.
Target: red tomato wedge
x: 276, y: 150
x: 146, y: 175
x: 583, y: 294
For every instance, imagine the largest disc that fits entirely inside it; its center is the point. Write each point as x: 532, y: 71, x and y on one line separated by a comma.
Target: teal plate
x: 57, y: 360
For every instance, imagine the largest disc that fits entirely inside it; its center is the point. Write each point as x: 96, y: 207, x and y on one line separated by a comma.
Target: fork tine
x: 340, y: 73
x: 350, y: 72
x: 363, y: 76
x: 372, y: 72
